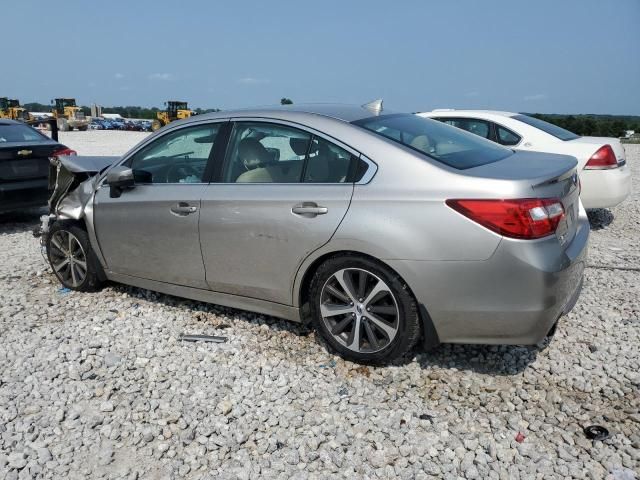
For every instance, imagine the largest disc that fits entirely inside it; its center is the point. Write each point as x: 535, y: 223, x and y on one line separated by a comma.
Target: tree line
x: 593, y: 125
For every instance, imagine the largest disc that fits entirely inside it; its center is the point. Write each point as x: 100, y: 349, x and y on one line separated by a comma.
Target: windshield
x: 20, y: 133
x: 446, y: 144
x: 547, y: 127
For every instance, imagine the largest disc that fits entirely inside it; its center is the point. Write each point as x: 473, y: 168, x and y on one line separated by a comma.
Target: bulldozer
x: 69, y: 115
x: 10, y: 108
x: 175, y: 111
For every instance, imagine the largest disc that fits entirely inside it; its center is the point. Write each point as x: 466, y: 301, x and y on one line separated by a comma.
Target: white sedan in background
x: 604, y: 175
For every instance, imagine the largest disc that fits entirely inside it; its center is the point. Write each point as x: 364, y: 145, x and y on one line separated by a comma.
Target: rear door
x: 280, y: 195
x: 151, y: 230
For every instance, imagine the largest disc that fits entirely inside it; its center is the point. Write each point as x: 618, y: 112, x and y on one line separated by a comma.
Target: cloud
x: 165, y: 77
x: 252, y: 80
x: 535, y: 97
x: 118, y: 76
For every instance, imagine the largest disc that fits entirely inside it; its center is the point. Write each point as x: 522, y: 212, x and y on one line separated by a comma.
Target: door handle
x: 309, y: 209
x: 183, y: 208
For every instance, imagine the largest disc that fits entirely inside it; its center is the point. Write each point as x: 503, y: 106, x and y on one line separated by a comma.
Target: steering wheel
x: 175, y: 173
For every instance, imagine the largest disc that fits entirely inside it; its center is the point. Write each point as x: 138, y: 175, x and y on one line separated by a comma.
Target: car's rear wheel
x: 72, y: 258
x: 363, y: 310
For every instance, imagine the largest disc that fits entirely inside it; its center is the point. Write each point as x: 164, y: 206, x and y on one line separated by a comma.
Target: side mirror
x: 119, y: 178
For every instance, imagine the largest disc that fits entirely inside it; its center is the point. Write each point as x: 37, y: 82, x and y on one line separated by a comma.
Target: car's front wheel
x: 72, y: 258
x: 363, y: 310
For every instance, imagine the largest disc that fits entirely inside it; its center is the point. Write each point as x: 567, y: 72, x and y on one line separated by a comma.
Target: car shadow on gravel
x: 201, y: 311
x: 600, y: 218
x: 21, y: 221
x: 503, y: 360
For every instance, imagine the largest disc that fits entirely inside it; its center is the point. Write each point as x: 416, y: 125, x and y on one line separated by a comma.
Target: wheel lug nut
x: 368, y: 309
x: 359, y: 299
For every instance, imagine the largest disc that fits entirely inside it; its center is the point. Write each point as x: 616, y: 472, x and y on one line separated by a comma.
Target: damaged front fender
x: 74, y: 181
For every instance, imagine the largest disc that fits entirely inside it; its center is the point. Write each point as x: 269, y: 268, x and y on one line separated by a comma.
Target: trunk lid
x: 549, y: 175
x: 25, y: 160
x: 597, y: 142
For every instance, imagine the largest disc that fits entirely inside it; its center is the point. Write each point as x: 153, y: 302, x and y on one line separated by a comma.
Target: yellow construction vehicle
x: 175, y: 111
x: 10, y: 108
x: 69, y: 115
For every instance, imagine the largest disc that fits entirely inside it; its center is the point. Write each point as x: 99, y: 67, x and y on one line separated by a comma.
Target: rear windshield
x: 444, y: 143
x: 547, y: 127
x: 15, y: 132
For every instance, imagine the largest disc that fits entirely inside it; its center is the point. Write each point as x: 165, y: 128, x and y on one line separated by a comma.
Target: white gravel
x: 101, y: 142
x: 98, y: 385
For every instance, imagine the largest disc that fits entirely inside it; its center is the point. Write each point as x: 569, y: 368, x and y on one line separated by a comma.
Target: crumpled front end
x: 72, y: 182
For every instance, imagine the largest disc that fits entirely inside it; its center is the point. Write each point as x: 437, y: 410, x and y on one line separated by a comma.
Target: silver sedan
x: 380, y: 229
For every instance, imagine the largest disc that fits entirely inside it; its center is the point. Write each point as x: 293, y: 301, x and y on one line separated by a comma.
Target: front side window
x: 452, y: 146
x: 177, y: 157
x: 506, y: 137
x: 472, y: 125
x: 270, y: 153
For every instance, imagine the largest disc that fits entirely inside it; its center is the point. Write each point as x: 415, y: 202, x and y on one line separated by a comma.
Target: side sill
x: 233, y: 301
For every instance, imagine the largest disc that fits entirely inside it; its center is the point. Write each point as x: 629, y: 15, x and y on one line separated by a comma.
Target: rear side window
x: 449, y: 145
x: 471, y: 125
x: 262, y: 152
x: 506, y: 136
x: 547, y: 127
x: 20, y: 133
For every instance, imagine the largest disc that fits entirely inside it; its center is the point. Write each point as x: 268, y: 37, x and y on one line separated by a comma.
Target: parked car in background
x: 24, y: 165
x: 605, y: 177
x: 378, y: 228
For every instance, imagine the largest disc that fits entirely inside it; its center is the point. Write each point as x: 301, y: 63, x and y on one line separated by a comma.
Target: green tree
x: 286, y: 101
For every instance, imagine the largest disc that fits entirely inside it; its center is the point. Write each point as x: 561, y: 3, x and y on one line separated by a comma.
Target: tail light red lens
x: 527, y: 218
x: 604, y: 158
x: 63, y: 151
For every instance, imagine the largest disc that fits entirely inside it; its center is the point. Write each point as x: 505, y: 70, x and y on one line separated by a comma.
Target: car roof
x: 451, y: 112
x: 7, y: 121
x: 344, y: 112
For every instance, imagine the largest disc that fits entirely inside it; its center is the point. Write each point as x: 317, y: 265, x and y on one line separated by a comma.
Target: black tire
x: 407, y: 324
x: 94, y: 276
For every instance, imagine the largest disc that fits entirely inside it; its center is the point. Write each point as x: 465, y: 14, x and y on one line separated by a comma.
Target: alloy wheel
x: 68, y: 258
x: 359, y: 310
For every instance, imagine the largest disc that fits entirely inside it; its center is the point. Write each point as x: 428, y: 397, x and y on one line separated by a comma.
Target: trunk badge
x: 24, y: 152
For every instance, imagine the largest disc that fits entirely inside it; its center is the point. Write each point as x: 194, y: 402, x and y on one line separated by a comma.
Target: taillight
x: 63, y: 151
x: 527, y: 218
x: 604, y: 158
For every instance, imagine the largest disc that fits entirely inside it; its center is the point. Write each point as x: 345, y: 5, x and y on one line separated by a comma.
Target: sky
x: 546, y: 56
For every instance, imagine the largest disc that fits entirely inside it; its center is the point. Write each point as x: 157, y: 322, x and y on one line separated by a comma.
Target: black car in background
x: 24, y: 165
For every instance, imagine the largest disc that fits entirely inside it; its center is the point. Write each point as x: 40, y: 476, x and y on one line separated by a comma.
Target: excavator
x: 10, y: 108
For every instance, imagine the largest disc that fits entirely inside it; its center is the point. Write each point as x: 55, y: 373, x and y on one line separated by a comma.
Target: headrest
x: 299, y: 145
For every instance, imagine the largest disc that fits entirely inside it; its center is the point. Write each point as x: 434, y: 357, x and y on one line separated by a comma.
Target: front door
x: 151, y: 230
x: 282, y: 194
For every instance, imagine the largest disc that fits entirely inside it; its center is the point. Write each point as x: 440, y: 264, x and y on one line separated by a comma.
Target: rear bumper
x: 605, y: 188
x: 23, y: 194
x: 515, y: 297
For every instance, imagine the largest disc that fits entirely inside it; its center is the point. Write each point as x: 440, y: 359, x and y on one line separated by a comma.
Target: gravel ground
x: 101, y: 142
x: 98, y: 385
